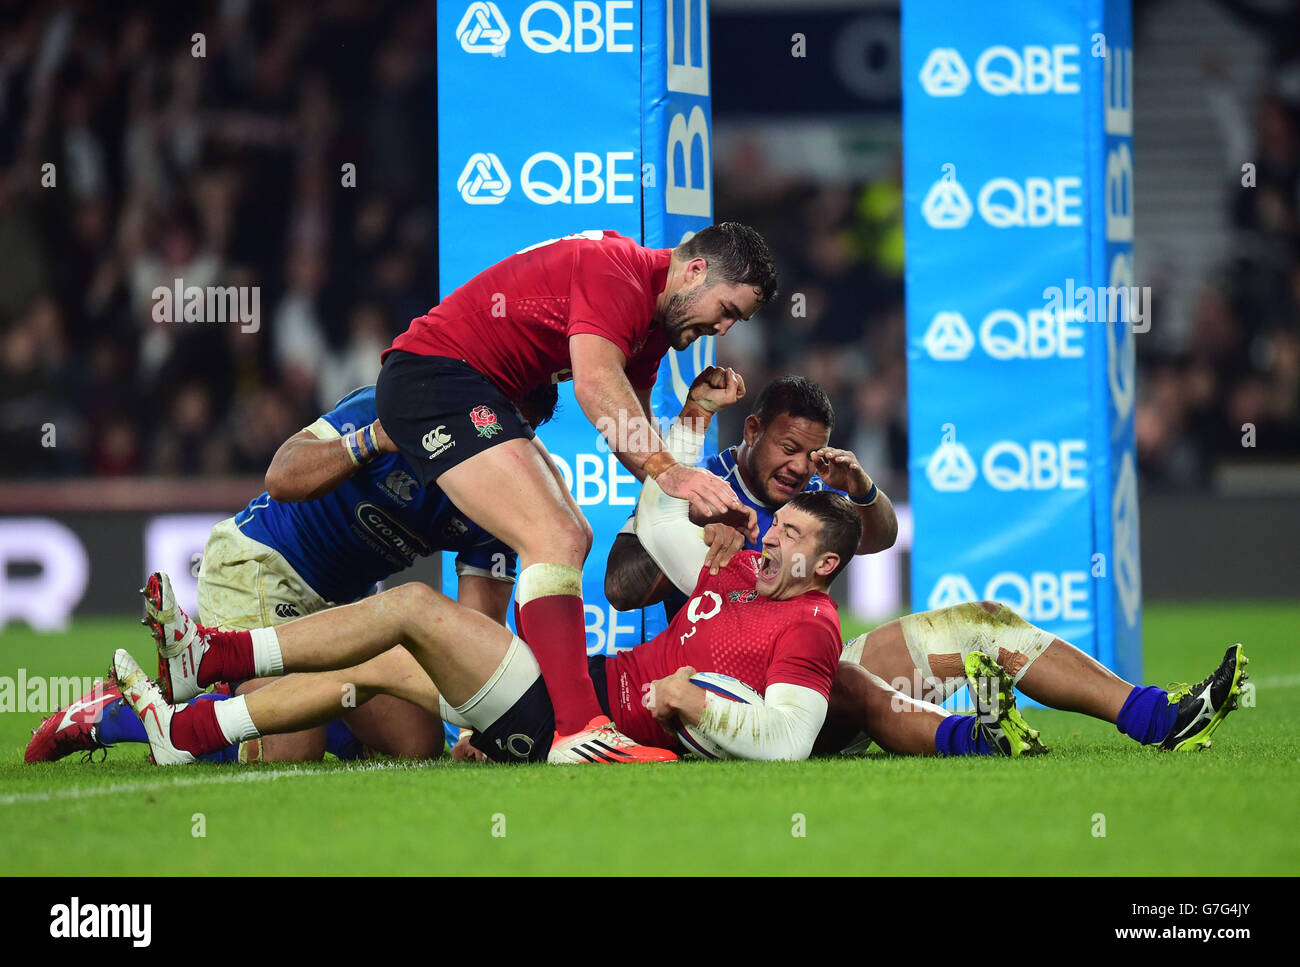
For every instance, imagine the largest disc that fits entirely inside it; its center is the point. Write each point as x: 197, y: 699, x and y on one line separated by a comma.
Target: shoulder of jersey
x: 745, y: 564
x: 360, y: 395
x: 817, y: 483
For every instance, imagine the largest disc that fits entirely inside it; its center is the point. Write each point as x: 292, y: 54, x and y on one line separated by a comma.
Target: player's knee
x: 413, y: 598
x: 565, y: 540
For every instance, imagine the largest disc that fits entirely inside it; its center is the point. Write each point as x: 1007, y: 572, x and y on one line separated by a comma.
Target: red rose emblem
x: 485, y: 421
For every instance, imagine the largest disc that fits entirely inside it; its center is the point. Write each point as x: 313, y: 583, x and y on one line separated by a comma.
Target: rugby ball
x: 733, y: 689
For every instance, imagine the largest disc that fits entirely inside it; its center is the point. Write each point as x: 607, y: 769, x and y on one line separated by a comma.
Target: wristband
x: 659, y: 461
x: 350, y: 446
x: 355, y: 445
x: 372, y: 441
x: 868, y: 499
x: 709, y: 405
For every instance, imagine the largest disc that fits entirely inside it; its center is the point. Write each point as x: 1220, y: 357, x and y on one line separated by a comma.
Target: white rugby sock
x: 234, y: 721
x: 267, y: 659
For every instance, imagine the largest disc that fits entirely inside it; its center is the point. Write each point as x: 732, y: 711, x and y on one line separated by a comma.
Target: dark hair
x: 797, y: 396
x: 538, y: 405
x: 737, y: 255
x: 841, y: 525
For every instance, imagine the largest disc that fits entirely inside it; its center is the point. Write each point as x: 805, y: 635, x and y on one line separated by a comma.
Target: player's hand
x: 662, y: 698
x: 710, y: 496
x: 462, y: 751
x: 724, y: 542
x: 716, y: 388
x: 386, y: 445
x: 840, y: 469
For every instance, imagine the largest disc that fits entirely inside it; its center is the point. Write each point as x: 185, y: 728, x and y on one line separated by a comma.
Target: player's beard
x: 677, y: 324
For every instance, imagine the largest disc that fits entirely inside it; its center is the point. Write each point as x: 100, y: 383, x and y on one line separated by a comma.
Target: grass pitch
x: 1230, y: 810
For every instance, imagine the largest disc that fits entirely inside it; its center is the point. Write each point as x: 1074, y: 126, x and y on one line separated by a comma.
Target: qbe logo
x: 547, y: 27
x: 1124, y: 533
x: 946, y: 204
x: 548, y: 178
x: 944, y: 73
x: 1001, y: 70
x: 483, y: 181
x: 1035, y: 202
x: 1037, y: 596
x: 483, y: 30
x: 950, y: 468
x: 1010, y: 466
x: 1006, y: 334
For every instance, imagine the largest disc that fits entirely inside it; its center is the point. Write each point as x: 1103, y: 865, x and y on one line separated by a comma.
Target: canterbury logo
x: 435, y: 438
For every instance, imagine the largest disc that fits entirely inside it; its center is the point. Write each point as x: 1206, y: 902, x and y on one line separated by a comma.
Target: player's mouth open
x: 770, y: 567
x: 785, y: 484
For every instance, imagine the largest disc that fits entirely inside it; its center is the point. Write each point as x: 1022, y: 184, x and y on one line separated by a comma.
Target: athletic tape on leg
x: 543, y: 580
x: 939, y: 641
x: 513, y: 677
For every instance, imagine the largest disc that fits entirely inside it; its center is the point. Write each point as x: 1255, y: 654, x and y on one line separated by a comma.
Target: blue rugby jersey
x: 376, y: 523
x: 724, y: 465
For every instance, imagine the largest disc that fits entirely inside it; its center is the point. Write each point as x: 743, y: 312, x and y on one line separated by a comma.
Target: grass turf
x: 1230, y: 810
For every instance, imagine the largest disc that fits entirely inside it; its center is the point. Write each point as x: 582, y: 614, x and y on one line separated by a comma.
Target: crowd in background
x: 221, y: 164
x: 230, y: 168
x: 1230, y: 392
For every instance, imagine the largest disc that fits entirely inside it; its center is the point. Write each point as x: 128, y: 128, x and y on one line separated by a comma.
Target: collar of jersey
x: 740, y: 479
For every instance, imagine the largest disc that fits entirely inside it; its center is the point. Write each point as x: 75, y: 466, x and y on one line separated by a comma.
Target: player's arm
x: 677, y: 543
x: 783, y: 726
x: 314, y: 461
x: 632, y: 578
x: 601, y: 387
x: 840, y: 469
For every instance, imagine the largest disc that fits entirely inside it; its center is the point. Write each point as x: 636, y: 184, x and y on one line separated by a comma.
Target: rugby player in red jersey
x: 764, y: 619
x: 598, y: 309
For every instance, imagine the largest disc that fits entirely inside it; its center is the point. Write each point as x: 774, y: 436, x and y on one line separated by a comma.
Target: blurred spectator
x: 217, y: 170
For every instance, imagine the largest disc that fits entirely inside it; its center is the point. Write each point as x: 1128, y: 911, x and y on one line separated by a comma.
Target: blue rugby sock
x: 119, y: 723
x: 958, y: 735
x: 1147, y: 715
x: 340, y: 741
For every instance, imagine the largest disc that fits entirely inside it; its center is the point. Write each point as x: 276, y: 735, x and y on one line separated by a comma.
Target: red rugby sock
x: 195, y: 729
x: 229, y: 657
x: 555, y: 628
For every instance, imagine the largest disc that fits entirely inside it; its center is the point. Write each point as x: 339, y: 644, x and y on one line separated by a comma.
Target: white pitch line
x: 179, y: 782
x: 1276, y: 681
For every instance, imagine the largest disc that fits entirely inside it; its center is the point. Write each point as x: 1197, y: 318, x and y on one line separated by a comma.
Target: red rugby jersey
x: 727, y: 627
x: 512, y: 321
